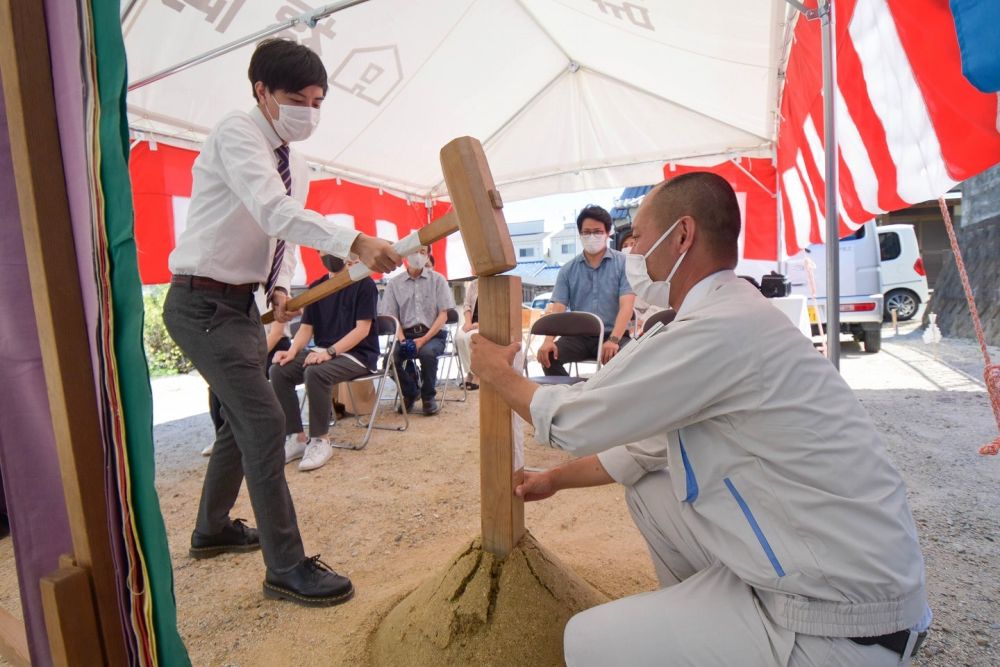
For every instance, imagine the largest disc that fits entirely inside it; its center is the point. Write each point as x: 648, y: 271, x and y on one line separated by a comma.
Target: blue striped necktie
x: 279, y: 247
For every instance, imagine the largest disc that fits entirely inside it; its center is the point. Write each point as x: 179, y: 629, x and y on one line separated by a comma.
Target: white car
x: 904, y: 280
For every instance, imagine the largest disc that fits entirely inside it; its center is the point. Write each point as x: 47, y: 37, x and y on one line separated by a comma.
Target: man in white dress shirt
x: 246, y: 212
x: 778, y: 527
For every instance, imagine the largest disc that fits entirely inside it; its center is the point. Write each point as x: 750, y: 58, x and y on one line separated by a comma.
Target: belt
x: 203, y: 283
x: 897, y: 642
x: 416, y: 330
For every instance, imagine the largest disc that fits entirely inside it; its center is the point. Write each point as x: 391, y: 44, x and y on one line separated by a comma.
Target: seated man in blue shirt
x: 593, y: 281
x: 345, y: 347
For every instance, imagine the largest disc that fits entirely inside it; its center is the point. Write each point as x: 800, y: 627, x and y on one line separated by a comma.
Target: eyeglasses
x: 592, y: 234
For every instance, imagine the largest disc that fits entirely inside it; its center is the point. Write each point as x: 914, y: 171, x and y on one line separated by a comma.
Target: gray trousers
x: 576, y: 348
x: 223, y: 337
x: 319, y: 380
x: 702, y: 616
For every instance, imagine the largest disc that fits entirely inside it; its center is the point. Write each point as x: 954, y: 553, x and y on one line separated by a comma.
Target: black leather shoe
x: 409, y: 406
x: 311, y: 583
x: 431, y: 406
x: 237, y: 537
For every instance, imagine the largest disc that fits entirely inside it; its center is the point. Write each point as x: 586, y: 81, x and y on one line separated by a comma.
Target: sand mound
x: 480, y: 611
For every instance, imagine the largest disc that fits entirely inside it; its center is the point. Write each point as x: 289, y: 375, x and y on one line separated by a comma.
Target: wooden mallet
x: 477, y: 211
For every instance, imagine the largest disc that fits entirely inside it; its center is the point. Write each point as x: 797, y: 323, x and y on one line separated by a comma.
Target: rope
x: 991, y: 372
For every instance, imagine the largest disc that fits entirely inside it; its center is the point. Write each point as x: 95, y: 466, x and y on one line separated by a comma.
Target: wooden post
x: 502, y: 512
x: 488, y: 244
x: 55, y: 289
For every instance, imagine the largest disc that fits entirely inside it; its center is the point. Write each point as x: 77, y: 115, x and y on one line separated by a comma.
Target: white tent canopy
x: 566, y: 95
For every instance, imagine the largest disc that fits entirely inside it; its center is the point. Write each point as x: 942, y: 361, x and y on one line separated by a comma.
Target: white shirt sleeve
x: 690, y: 372
x: 627, y: 464
x: 249, y: 172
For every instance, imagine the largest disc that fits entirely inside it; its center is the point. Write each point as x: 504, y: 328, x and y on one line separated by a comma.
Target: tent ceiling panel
x: 710, y: 57
x: 661, y: 79
x: 602, y: 125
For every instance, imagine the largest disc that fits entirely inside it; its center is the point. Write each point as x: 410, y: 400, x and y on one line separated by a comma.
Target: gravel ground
x: 391, y: 515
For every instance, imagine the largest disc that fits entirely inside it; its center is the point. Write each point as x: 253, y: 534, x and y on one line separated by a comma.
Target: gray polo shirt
x: 579, y: 286
x: 415, y: 301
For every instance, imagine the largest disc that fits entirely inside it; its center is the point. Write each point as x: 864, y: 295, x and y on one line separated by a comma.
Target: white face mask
x: 594, y: 244
x: 294, y: 123
x: 653, y: 292
x: 417, y: 261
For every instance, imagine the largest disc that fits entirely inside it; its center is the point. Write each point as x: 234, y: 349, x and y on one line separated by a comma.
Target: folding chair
x: 666, y: 316
x: 389, y: 331
x: 451, y: 354
x: 577, y: 323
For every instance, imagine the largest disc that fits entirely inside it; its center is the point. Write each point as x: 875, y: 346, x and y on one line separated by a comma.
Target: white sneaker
x: 318, y: 452
x: 294, y: 448
x: 208, y: 450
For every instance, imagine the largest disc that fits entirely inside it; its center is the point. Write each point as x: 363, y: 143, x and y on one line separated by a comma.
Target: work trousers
x: 320, y: 380
x: 222, y: 335
x: 702, y: 616
x: 215, y: 408
x: 576, y: 348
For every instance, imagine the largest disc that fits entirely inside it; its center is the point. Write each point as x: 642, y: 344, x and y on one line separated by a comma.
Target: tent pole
x: 309, y: 18
x: 830, y: 155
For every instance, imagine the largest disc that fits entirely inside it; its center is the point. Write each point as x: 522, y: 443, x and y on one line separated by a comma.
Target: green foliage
x: 162, y: 353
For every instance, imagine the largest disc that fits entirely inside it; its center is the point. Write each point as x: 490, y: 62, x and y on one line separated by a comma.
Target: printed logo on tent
x: 635, y: 14
x: 220, y: 13
x: 302, y: 33
x: 370, y: 73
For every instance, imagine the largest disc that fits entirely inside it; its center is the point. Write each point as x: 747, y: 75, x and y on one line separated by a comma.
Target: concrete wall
x: 979, y: 240
x: 981, y: 198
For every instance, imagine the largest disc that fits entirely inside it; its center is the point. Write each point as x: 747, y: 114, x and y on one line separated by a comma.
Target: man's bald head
x: 710, y: 201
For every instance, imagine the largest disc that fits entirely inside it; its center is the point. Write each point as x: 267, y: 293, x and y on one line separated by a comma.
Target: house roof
x: 630, y: 198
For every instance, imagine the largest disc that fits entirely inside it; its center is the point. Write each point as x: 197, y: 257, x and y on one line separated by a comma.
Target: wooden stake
x: 502, y: 511
x: 55, y: 289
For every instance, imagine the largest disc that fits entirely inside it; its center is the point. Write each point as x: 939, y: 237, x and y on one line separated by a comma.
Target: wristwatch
x: 614, y: 339
x: 332, y: 351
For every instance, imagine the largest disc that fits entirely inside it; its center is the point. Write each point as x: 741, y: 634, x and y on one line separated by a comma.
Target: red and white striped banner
x: 909, y: 125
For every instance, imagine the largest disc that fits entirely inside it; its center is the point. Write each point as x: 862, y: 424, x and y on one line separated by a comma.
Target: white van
x: 904, y: 280
x: 861, y: 302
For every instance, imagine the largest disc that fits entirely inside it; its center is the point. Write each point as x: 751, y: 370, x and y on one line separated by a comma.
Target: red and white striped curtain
x: 909, y: 125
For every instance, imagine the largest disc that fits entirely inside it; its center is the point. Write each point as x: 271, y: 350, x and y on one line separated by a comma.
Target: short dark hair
x: 282, y: 64
x: 711, y: 201
x: 594, y: 213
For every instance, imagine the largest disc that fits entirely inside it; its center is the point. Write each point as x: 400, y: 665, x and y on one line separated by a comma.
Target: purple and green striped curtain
x: 89, y: 78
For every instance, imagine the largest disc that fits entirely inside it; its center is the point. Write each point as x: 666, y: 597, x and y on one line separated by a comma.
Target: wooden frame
x: 62, y: 331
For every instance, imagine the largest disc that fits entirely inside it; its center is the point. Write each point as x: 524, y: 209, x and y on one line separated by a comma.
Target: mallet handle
x: 435, y: 231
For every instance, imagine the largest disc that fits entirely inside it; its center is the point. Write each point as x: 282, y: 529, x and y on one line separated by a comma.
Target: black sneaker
x: 431, y: 406
x: 311, y: 583
x: 237, y: 537
x: 409, y: 406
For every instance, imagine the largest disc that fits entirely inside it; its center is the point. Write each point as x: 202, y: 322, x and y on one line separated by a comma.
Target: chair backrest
x: 577, y: 323
x: 452, y: 316
x: 389, y: 328
x: 666, y: 316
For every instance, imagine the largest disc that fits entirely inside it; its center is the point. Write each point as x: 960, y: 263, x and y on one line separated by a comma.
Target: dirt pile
x: 481, y: 611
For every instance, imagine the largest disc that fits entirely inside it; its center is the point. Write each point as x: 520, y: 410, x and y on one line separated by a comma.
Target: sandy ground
x: 392, y: 514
